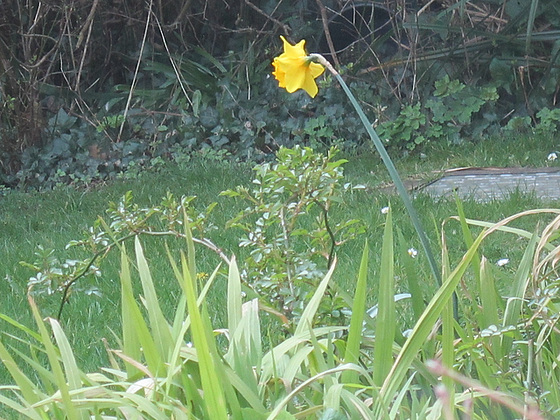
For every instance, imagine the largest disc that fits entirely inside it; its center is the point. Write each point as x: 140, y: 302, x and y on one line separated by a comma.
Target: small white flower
x: 412, y: 252
x: 502, y: 262
x: 552, y: 157
x: 385, y: 210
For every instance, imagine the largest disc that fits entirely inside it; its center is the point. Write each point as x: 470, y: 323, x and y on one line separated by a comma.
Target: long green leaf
x: 530, y: 25
x: 211, y: 383
x: 284, y: 402
x: 448, y: 330
x: 269, y: 366
x: 385, y: 325
x: 489, y: 302
x: 18, y: 408
x: 131, y: 343
x: 29, y: 390
x: 310, y: 310
x: 73, y: 374
x: 28, y: 331
x: 54, y: 362
x: 354, y: 340
x: 519, y: 286
x: 233, y: 297
x: 245, y: 349
x: 175, y: 360
x: 413, y: 277
x: 395, y: 177
x: 468, y: 238
x: 248, y: 393
x: 191, y: 255
x: 159, y: 326
x: 136, y: 334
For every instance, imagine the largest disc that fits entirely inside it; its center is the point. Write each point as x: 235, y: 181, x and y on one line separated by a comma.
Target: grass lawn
x: 53, y: 218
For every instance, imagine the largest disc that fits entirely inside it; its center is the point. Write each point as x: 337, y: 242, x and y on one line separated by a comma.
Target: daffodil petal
x: 295, y: 81
x: 297, y: 50
x: 310, y: 86
x: 316, y: 70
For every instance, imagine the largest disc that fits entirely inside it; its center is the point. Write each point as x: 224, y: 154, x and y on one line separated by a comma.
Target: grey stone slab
x: 486, y: 184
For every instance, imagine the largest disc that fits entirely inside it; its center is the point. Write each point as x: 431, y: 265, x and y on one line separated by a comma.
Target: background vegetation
x: 91, y: 89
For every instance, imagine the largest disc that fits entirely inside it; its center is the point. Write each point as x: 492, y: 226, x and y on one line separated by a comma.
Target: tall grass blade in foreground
x: 355, y: 330
x: 214, y: 398
x: 385, y: 325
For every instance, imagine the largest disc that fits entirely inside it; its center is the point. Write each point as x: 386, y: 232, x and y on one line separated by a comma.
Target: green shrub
x: 288, y: 227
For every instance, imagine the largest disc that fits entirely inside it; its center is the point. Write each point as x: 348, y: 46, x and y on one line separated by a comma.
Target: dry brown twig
x: 327, y: 31
x: 284, y: 27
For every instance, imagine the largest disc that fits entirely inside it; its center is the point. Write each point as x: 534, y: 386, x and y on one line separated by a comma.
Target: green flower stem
x: 388, y: 164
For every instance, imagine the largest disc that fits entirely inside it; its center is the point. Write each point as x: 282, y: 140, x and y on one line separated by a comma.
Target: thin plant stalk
x: 388, y: 164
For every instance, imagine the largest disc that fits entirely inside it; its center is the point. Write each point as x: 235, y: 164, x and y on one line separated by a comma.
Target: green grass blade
x: 18, y: 408
x: 357, y: 409
x: 233, y: 297
x: 246, y: 391
x: 385, y: 325
x: 412, y: 277
x: 21, y: 327
x: 185, y: 324
x: 520, y: 282
x: 285, y: 401
x: 191, y: 255
x: 270, y: 368
x: 245, y: 349
x: 310, y: 310
x: 354, y: 340
x: 136, y: 334
x: 211, y: 383
x: 468, y: 238
x: 448, y: 330
x: 333, y: 397
x: 400, y: 397
x: 69, y: 362
x: 530, y: 25
x: 158, y: 324
x: 490, y: 305
x: 131, y: 343
x: 54, y: 362
x: 29, y: 390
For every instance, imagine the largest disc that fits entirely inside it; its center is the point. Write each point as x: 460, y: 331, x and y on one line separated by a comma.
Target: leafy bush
x: 287, y: 257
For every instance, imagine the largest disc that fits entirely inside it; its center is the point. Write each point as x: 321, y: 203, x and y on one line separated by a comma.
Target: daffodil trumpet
x: 295, y: 69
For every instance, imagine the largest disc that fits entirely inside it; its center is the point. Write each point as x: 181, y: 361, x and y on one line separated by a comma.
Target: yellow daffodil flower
x: 294, y: 69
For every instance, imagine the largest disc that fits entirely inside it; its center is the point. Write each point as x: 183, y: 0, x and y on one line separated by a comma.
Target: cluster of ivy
x: 453, y: 113
x: 231, y: 123
x: 79, y: 152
